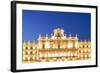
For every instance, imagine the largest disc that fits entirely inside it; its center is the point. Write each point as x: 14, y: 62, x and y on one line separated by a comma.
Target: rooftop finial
x: 46, y: 35
x: 70, y: 35
x: 76, y: 35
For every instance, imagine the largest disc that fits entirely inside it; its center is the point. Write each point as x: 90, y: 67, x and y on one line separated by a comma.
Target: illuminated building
x: 57, y: 47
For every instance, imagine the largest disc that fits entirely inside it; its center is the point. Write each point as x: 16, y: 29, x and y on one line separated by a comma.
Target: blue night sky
x: 44, y: 22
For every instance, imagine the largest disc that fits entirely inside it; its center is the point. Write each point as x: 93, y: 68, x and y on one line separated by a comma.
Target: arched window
x: 31, y: 48
x: 31, y: 52
x: 76, y: 45
x: 26, y: 48
x: 70, y: 45
x: 64, y: 45
x: 39, y: 46
x: 47, y: 45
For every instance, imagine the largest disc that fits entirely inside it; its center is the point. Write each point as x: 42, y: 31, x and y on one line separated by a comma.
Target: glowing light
x: 70, y: 45
x: 28, y: 58
x: 47, y: 45
x: 81, y: 50
x: 85, y: 56
x: 45, y: 55
x: 24, y: 58
x: 53, y: 55
x: 75, y: 54
x: 61, y: 54
x: 89, y: 50
x: 71, y: 54
x: 40, y: 55
x: 76, y: 45
x: 23, y: 47
x: 28, y: 47
x: 85, y: 46
x: 78, y: 56
x: 33, y: 47
x: 33, y: 57
x: 39, y: 46
x: 53, y: 46
x: 81, y: 56
x: 89, y: 46
x: 64, y: 46
x: 86, y: 50
x: 64, y: 54
x: 56, y: 54
x: 24, y: 52
x: 81, y: 46
x: 68, y: 54
x: 28, y: 52
x: 60, y: 46
x: 33, y: 52
x: 37, y: 57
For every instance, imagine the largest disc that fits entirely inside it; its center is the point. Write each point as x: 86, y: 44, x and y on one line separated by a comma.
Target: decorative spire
x: 51, y: 34
x: 76, y: 35
x: 70, y: 35
x: 46, y: 36
x: 39, y: 37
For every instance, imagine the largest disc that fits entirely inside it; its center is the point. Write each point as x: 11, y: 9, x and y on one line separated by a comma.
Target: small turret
x: 76, y: 37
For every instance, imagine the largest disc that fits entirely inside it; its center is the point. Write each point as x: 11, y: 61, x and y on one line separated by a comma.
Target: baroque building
x: 57, y: 47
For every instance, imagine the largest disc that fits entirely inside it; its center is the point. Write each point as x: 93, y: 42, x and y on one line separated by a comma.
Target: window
x: 76, y: 45
x: 47, y: 45
x: 31, y: 48
x: 26, y: 48
x: 70, y: 45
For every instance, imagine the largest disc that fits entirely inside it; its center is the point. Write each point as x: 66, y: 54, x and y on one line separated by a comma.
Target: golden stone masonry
x: 57, y: 47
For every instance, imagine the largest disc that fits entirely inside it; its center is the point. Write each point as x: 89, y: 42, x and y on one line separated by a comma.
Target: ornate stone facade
x: 57, y: 47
